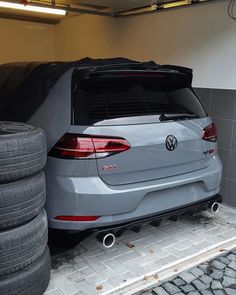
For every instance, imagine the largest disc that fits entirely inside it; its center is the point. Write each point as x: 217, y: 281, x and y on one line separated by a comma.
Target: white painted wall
x: 26, y: 41
x: 202, y: 37
x: 87, y: 35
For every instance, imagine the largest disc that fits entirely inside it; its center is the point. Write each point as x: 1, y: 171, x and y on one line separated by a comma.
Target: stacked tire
x: 24, y: 255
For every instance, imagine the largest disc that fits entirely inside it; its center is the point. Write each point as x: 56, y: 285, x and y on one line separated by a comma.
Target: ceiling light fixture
x: 32, y: 8
x: 175, y: 4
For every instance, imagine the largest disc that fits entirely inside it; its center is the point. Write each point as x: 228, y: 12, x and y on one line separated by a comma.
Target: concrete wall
x: 87, y: 35
x: 26, y: 41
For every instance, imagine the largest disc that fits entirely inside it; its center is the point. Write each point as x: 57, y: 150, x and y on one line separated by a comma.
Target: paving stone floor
x: 216, y: 277
x: 90, y: 269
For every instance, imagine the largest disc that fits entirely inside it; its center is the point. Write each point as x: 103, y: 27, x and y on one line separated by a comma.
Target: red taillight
x: 80, y: 146
x: 76, y: 218
x: 210, y: 133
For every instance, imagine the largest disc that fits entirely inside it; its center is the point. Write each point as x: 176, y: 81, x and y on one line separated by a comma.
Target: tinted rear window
x: 133, y: 100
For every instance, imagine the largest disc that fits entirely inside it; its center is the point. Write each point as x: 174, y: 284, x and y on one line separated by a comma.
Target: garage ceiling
x: 99, y: 7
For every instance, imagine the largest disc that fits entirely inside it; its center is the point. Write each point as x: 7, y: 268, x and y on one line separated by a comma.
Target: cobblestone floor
x: 216, y: 277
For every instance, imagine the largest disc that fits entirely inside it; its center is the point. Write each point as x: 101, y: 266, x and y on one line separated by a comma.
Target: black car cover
x: 24, y: 86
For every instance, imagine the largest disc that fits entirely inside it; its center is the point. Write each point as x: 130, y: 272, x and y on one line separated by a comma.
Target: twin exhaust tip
x: 108, y: 239
x: 214, y: 207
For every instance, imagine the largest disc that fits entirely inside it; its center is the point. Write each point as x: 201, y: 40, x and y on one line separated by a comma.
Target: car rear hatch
x: 154, y: 115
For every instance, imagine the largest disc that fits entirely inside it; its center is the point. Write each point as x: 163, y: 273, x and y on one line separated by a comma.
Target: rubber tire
x: 32, y: 280
x: 23, y: 245
x: 22, y: 200
x: 23, y: 151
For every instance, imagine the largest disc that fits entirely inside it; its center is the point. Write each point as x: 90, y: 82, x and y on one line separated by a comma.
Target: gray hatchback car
x: 128, y: 143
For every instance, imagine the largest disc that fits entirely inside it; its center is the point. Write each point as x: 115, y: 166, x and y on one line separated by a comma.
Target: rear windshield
x: 133, y: 100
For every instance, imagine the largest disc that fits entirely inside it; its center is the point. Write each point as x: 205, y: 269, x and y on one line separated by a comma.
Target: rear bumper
x: 126, y: 204
x: 174, y: 213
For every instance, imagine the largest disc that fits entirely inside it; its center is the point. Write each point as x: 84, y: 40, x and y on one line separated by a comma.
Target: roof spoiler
x: 150, y: 65
x: 187, y: 71
x: 134, y: 65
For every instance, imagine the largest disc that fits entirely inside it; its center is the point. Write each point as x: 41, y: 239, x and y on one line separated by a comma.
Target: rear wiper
x: 166, y: 117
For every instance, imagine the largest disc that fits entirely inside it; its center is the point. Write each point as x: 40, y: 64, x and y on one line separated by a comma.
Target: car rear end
x: 140, y: 144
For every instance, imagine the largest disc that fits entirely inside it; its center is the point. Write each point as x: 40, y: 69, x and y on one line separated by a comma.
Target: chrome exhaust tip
x: 108, y: 240
x: 214, y: 207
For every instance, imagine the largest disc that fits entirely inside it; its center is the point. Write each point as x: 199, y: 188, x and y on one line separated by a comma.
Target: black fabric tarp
x: 24, y: 86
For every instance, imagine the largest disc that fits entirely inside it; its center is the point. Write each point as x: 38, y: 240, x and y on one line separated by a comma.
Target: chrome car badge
x: 171, y: 142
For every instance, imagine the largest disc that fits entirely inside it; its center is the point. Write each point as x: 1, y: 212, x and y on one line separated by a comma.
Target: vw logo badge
x: 171, y: 142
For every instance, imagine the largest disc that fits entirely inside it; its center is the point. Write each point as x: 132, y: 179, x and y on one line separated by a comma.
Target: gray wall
x: 221, y: 105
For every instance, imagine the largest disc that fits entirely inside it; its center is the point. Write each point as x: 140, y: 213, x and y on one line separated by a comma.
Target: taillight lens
x: 74, y: 146
x: 210, y: 133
